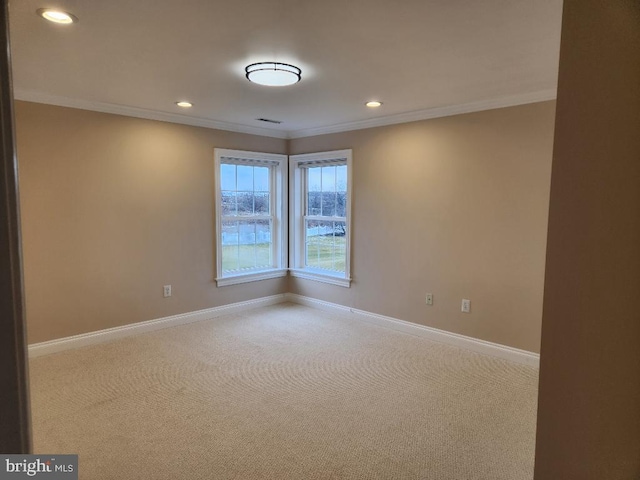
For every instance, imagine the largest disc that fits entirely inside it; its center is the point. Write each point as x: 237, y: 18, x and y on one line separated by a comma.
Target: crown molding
x: 429, y: 113
x: 37, y: 97
x: 426, y: 114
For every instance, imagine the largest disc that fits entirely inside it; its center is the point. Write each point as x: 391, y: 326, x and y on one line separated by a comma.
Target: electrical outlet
x: 466, y: 306
x: 429, y: 298
x: 166, y: 291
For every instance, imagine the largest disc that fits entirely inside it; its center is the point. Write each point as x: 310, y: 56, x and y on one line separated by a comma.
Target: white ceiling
x: 422, y: 58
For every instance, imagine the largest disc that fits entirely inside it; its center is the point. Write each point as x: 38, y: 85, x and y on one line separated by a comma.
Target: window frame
x: 278, y: 197
x: 297, y: 208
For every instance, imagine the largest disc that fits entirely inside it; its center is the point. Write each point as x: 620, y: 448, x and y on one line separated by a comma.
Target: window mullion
x: 321, y: 193
x: 238, y: 246
x: 333, y: 246
x: 274, y: 232
x: 232, y: 218
x: 319, y: 218
x: 305, y: 202
x: 255, y: 244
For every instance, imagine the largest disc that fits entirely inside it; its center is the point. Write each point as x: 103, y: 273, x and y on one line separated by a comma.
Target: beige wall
x: 113, y: 208
x: 454, y: 206
x: 589, y: 398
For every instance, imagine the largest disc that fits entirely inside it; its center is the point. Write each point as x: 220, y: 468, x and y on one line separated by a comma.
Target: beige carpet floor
x: 285, y: 392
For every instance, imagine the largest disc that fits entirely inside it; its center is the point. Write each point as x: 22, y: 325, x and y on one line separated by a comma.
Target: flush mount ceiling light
x: 373, y: 104
x: 273, y: 74
x: 184, y: 104
x: 57, y: 16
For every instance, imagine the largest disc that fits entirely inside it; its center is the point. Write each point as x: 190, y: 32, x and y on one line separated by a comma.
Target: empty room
x: 323, y: 240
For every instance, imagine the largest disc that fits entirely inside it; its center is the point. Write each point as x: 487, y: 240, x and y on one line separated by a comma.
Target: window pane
x: 261, y: 203
x: 312, y: 251
x: 312, y: 228
x: 227, y: 177
x: 245, y: 203
x: 326, y: 245
x: 245, y: 200
x: 247, y: 230
x: 328, y: 179
x: 229, y: 206
x: 320, y: 246
x: 314, y: 179
x: 230, y: 246
x: 254, y: 249
x: 341, y: 204
x: 314, y: 203
x: 263, y: 244
x: 261, y: 179
x: 341, y: 178
x: 340, y: 246
x: 328, y: 203
x: 245, y: 178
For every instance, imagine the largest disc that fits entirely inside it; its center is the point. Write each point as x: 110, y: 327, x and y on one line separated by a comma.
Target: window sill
x: 250, y: 277
x: 320, y: 277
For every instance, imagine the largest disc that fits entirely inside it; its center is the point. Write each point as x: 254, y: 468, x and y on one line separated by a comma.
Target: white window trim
x: 297, y: 204
x: 253, y: 276
x: 279, y: 240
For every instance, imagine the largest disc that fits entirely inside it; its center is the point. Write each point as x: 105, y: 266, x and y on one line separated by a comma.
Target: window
x: 250, y: 216
x: 320, y: 222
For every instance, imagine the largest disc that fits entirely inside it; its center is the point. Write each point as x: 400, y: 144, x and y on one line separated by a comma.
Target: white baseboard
x: 480, y: 346
x: 91, y: 338
x: 469, y: 343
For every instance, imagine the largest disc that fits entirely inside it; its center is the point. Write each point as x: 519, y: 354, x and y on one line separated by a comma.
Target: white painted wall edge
x: 109, y: 334
x: 515, y: 355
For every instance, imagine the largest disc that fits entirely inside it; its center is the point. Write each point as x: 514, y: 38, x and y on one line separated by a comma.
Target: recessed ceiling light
x: 373, y: 104
x: 57, y: 16
x: 273, y: 74
x: 184, y: 104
